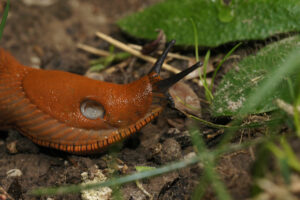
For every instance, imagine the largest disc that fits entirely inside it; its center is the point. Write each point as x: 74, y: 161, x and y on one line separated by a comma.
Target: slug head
x: 127, y: 104
x: 162, y: 86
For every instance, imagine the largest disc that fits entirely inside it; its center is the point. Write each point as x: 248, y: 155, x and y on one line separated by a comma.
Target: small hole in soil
x: 3, y: 135
x: 221, y: 120
x: 132, y: 142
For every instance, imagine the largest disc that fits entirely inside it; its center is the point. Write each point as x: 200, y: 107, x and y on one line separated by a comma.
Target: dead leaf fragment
x: 185, y: 99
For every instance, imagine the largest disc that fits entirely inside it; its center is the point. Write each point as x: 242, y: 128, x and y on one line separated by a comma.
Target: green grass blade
x: 291, y: 88
x: 205, y: 64
x: 208, y: 93
x: 208, y: 159
x: 217, y: 184
x: 296, y: 115
x: 221, y: 63
x: 3, y: 21
x: 293, y: 160
x: 115, y: 181
x: 144, y: 174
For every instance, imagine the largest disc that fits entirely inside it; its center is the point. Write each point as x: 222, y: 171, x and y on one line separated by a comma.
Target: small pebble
x: 66, y: 163
x: 168, y: 151
x: 189, y: 156
x: 174, y: 131
x: 95, y: 75
x: 12, y: 147
x: 96, y: 175
x: 12, y: 173
x: 35, y: 62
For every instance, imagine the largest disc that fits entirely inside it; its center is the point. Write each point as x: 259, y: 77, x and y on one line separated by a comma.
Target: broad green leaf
x: 216, y: 24
x: 244, y: 78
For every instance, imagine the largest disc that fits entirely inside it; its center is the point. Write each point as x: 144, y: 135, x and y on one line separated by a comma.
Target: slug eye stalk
x: 157, y: 66
x: 165, y: 84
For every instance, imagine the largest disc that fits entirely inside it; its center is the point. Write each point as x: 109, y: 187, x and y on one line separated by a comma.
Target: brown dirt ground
x: 47, y: 36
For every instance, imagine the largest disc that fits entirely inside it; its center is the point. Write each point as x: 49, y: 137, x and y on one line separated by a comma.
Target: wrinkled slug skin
x: 44, y: 105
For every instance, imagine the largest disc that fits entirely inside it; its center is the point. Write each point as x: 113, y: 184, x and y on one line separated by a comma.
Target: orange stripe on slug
x: 94, y: 146
x: 83, y: 148
x: 123, y: 133
x: 118, y: 138
x: 76, y: 148
x: 100, y: 144
x: 132, y: 129
x: 127, y: 131
x: 53, y: 130
x: 70, y: 148
x: 105, y: 143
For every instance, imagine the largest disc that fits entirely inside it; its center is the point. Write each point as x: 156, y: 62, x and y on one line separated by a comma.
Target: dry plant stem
x: 171, y: 55
x: 4, y: 194
x: 288, y: 108
x: 117, y: 66
x: 138, y: 54
x: 112, y: 69
x: 93, y: 50
x: 140, y: 186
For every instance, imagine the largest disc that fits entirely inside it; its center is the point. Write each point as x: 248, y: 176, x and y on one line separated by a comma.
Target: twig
x: 140, y: 186
x: 288, y: 108
x: 115, y: 67
x: 4, y: 194
x: 92, y: 50
x: 171, y: 55
x: 138, y: 54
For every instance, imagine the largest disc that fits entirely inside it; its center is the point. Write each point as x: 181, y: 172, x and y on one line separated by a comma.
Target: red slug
x: 76, y: 114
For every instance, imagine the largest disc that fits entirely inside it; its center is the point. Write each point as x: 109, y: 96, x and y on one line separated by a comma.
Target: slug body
x: 73, y: 113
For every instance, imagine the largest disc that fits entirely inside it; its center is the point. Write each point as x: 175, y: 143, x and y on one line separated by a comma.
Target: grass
x: 208, y: 93
x: 4, y: 17
x: 296, y: 115
x: 208, y: 88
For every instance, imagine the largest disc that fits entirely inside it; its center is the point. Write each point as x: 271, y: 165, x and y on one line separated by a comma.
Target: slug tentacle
x: 157, y: 66
x: 165, y: 84
x: 76, y: 114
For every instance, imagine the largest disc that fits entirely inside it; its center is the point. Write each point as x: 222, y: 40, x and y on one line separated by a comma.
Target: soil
x: 46, y: 36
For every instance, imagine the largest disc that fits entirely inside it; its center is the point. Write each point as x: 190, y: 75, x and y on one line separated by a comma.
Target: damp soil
x: 46, y: 36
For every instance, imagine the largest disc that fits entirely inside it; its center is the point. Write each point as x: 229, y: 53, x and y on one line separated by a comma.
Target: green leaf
x: 226, y: 13
x: 216, y: 24
x: 267, y: 71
